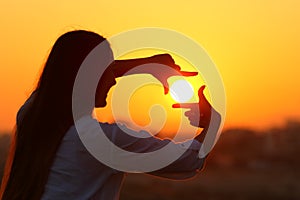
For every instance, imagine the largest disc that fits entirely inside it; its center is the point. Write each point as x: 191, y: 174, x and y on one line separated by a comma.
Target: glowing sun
x: 181, y: 91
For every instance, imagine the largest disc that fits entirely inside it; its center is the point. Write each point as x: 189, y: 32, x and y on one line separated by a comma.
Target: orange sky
x: 255, y: 45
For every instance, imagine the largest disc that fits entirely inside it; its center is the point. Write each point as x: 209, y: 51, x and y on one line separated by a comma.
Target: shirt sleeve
x: 186, y: 166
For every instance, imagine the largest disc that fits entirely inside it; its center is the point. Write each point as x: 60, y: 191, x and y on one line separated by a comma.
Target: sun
x: 181, y: 91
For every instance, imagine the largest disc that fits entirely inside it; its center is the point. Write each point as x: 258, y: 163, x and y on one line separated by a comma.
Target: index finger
x: 185, y: 73
x: 183, y: 105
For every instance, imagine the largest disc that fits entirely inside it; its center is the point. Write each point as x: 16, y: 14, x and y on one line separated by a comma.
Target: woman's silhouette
x: 47, y: 159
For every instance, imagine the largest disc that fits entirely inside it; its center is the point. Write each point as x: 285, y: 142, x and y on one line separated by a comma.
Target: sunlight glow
x: 181, y: 91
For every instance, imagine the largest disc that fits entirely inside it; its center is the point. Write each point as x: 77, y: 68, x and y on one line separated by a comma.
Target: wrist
x: 200, y: 138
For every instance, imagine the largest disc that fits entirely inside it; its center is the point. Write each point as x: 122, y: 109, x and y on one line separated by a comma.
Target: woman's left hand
x: 199, y: 114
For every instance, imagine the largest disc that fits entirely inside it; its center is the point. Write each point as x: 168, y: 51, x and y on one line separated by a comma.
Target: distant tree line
x: 4, y: 147
x: 273, y: 148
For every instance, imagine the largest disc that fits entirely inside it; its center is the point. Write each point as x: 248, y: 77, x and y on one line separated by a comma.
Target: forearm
x: 201, y: 136
x: 213, y: 123
x: 122, y: 67
x: 186, y: 166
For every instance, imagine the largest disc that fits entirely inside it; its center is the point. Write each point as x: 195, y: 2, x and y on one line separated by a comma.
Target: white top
x: 75, y: 174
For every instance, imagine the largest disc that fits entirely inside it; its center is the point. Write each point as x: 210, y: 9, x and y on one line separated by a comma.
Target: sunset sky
x: 254, y: 44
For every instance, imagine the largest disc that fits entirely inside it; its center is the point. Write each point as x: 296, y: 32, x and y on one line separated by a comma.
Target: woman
x: 47, y: 159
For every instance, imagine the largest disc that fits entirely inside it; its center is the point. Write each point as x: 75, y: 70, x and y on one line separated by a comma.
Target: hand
x: 163, y: 74
x: 160, y: 66
x: 199, y: 114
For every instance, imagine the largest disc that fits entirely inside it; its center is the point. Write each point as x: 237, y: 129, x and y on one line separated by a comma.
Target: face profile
x: 106, y: 81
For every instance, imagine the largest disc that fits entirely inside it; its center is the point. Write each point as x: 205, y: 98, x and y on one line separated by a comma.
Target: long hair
x: 47, y: 118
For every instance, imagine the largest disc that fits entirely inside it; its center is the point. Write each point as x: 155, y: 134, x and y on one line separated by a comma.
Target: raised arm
x: 161, y: 66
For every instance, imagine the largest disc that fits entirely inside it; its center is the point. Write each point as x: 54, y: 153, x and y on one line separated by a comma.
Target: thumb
x: 166, y: 87
x: 184, y: 105
x: 200, y: 92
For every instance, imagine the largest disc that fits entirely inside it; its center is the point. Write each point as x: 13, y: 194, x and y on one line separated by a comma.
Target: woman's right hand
x: 162, y: 67
x: 173, y: 70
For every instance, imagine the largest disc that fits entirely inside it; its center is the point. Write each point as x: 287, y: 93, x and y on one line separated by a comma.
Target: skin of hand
x: 122, y: 67
x: 199, y: 114
x: 175, y: 70
x: 161, y: 66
